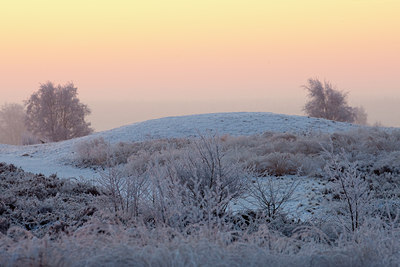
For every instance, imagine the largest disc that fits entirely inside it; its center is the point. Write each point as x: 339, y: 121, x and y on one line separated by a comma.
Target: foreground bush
x: 107, y: 243
x: 43, y: 205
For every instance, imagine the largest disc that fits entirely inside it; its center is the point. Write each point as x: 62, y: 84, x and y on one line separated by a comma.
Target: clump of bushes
x: 97, y: 152
x: 276, y: 153
x: 42, y: 205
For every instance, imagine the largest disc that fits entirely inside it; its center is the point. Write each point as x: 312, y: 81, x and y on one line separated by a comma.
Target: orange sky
x: 135, y: 60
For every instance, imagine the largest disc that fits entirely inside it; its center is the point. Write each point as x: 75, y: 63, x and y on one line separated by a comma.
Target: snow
x: 239, y: 123
x: 56, y: 158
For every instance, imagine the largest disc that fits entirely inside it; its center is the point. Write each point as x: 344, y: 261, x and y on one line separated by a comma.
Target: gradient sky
x: 141, y: 59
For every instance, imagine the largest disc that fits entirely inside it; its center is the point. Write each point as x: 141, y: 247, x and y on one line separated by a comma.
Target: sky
x: 134, y: 60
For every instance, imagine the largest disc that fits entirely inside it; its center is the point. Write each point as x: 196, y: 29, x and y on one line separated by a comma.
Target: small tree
x: 12, y: 124
x: 328, y: 103
x: 55, y: 113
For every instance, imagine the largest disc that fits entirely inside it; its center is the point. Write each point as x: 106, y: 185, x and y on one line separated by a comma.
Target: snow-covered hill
x: 56, y: 157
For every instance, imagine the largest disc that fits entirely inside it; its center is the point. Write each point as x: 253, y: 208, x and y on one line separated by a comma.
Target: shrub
x: 281, y: 163
x: 97, y: 152
x: 94, y: 152
x: 37, y: 203
x: 351, y: 189
x: 126, y: 190
x: 270, y: 195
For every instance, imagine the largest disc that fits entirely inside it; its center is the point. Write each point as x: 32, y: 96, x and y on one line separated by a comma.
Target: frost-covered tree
x: 12, y: 124
x: 328, y: 103
x: 55, y: 113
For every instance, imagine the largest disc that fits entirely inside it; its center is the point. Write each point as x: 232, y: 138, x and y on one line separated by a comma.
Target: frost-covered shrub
x: 345, y: 140
x: 126, y: 190
x: 196, y: 187
x: 97, y: 152
x: 139, y: 162
x: 385, y: 185
x: 270, y: 194
x: 38, y: 203
x: 109, y: 244
x: 375, y: 140
x: 277, y: 154
x: 308, y: 146
x: 281, y: 163
x: 94, y: 152
x: 236, y: 142
x: 366, y: 140
x: 387, y: 163
x: 121, y: 151
x: 351, y: 190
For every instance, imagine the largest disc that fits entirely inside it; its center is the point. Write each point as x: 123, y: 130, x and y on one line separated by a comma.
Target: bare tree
x: 328, y: 103
x: 55, y: 113
x: 12, y: 124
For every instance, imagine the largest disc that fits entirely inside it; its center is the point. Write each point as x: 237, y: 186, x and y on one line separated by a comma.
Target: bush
x: 199, y: 184
x: 351, y: 189
x: 38, y: 204
x: 95, y: 152
x: 270, y: 195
